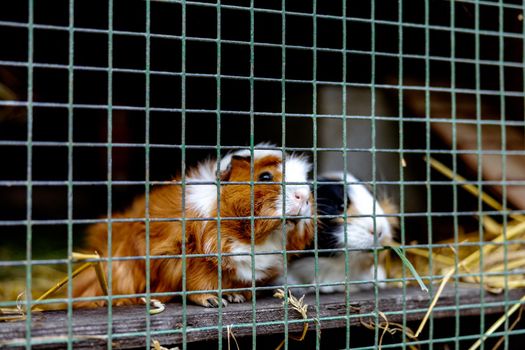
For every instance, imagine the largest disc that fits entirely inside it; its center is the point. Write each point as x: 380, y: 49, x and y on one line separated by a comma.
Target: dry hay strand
x: 498, y: 323
x: 297, y: 305
x: 157, y: 346
x: 232, y: 335
x: 13, y: 281
x: 17, y: 314
x: 496, y: 254
x: 390, y: 327
x: 512, y: 326
x: 7, y: 314
x: 156, y: 306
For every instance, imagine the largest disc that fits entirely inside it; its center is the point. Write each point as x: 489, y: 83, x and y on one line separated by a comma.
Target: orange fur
x: 201, y: 237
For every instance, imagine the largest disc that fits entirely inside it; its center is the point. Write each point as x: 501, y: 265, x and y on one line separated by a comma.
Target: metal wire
x: 29, y: 196
x: 401, y: 116
x: 109, y: 271
x: 70, y: 184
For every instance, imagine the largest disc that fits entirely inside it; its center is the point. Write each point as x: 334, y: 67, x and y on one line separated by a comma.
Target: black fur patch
x: 330, y: 201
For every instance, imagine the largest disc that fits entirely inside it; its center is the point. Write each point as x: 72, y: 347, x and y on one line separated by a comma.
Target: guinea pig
x: 365, y: 227
x: 201, y: 235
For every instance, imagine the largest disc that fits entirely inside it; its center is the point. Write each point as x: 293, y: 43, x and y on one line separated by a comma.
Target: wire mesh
x: 215, y: 78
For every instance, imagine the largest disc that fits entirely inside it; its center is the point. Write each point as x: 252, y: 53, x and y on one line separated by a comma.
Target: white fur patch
x: 296, y: 171
x: 257, y: 153
x: 370, y: 216
x: 200, y: 197
x: 263, y: 263
x: 332, y: 270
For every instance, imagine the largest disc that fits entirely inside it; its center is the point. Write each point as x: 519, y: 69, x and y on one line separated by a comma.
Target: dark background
x: 50, y: 162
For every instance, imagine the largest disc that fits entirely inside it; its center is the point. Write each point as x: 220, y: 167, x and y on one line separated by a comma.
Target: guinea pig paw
x: 214, y: 302
x: 235, y: 298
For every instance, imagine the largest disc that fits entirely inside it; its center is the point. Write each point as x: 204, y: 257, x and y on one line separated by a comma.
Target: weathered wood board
x: 90, y: 327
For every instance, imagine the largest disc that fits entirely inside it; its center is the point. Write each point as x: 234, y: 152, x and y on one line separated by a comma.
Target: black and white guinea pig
x: 366, y: 227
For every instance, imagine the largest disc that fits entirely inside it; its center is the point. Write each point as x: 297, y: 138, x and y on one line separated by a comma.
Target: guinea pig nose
x: 378, y: 232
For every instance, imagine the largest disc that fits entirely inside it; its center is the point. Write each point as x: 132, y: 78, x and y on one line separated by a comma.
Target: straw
x: 409, y: 265
x: 498, y: 323
x: 299, y: 306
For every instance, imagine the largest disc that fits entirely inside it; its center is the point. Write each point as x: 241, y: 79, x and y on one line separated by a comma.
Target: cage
x: 423, y: 101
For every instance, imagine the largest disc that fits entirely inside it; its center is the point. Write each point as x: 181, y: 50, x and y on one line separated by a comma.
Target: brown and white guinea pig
x: 128, y: 238
x: 366, y: 227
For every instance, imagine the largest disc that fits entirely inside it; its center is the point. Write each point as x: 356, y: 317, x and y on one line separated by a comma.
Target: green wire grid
x: 147, y: 172
x: 109, y: 269
x: 283, y: 143
x: 183, y: 172
x: 479, y: 168
x: 315, y: 154
x: 453, y: 114
x: 252, y: 159
x: 400, y: 25
x: 29, y: 195
x: 400, y: 99
x: 345, y: 170
x: 374, y: 164
x: 501, y: 58
x: 218, y: 154
x: 70, y: 115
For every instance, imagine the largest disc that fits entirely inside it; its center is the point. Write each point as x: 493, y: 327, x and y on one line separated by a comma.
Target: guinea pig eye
x: 342, y: 206
x: 266, y: 176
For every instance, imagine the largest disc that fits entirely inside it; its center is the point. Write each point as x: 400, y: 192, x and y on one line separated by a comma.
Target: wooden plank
x: 90, y: 327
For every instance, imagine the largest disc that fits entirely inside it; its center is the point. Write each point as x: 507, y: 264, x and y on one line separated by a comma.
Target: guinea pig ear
x: 240, y: 158
x: 235, y: 162
x: 240, y: 161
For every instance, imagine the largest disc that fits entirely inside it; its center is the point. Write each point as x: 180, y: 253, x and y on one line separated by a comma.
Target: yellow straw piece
x: 497, y: 256
x: 101, y: 276
x: 509, y: 266
x: 489, y: 200
x: 434, y: 300
x: 510, y: 284
x: 299, y: 306
x: 230, y: 332
x: 498, y: 323
x: 79, y: 257
x: 443, y: 259
x: 491, y: 226
x: 511, y: 233
x: 61, y: 283
x: 156, y: 306
x: 157, y: 346
x: 512, y: 326
x: 390, y: 327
